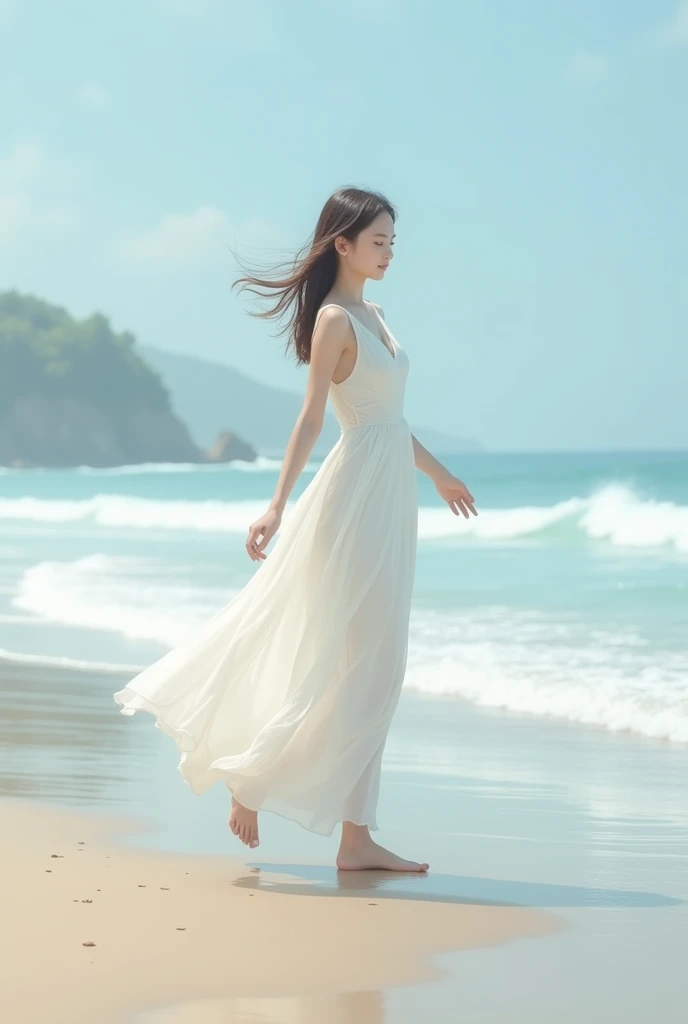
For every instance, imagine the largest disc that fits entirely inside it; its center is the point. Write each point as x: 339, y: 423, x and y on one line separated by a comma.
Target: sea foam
x: 529, y: 661
x: 132, y: 596
x: 614, y: 515
x: 535, y: 663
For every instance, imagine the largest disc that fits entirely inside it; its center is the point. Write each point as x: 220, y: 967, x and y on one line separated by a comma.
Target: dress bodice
x: 374, y: 390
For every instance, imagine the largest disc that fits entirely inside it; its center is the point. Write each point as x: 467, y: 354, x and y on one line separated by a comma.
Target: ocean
x: 566, y: 598
x: 538, y: 756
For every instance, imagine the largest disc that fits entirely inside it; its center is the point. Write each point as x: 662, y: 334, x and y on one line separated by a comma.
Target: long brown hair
x: 305, y: 282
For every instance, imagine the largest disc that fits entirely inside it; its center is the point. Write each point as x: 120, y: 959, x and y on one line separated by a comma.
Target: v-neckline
x: 390, y: 353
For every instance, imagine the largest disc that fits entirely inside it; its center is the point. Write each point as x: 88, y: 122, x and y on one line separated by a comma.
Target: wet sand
x: 96, y: 931
x: 512, y: 812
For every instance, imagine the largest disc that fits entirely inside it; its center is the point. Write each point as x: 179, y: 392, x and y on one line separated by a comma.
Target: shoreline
x: 171, y: 929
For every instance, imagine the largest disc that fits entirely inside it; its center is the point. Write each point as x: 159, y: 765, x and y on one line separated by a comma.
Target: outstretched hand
x: 456, y: 495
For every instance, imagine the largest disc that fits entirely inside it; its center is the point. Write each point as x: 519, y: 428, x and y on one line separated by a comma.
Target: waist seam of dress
x: 375, y: 423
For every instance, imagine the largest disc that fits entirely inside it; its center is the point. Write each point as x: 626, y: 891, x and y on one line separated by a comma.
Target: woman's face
x: 371, y: 251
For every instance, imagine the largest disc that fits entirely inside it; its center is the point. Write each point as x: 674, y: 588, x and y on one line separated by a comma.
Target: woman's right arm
x: 331, y: 337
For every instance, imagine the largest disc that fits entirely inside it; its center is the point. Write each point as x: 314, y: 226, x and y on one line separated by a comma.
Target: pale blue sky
x: 536, y: 152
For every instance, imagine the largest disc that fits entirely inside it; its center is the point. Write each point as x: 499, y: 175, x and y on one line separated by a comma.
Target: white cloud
x: 195, y: 8
x: 24, y: 161
x: 178, y: 240
x: 14, y: 211
x: 588, y: 67
x: 27, y: 177
x: 238, y: 24
x: 203, y: 237
x: 93, y: 95
x: 674, y: 32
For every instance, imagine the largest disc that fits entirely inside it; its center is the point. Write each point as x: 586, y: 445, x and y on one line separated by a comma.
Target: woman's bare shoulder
x: 333, y: 325
x: 332, y: 315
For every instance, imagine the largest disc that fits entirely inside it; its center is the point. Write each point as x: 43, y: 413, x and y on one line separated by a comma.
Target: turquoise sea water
x: 538, y: 755
x: 566, y: 597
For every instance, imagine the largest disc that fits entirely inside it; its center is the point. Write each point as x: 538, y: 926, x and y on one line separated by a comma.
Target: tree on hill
x: 72, y: 393
x: 44, y: 351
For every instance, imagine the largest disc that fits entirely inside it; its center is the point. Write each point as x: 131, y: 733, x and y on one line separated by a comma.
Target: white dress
x: 287, y: 693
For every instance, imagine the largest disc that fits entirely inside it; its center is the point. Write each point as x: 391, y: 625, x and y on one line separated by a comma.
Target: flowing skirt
x: 287, y: 693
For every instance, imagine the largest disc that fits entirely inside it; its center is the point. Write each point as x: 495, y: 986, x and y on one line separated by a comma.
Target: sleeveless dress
x: 287, y: 693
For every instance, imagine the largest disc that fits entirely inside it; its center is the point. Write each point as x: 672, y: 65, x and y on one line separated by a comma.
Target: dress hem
x: 185, y: 744
x: 372, y: 826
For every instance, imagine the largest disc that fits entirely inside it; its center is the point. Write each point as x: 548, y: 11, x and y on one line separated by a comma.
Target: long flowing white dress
x: 287, y: 693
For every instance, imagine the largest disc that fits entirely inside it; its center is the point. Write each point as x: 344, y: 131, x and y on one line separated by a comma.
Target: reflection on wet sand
x: 515, y: 814
x: 342, y: 1008
x: 60, y: 736
x: 468, y: 890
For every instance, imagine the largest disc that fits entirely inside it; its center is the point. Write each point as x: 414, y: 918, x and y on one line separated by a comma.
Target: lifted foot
x: 244, y: 823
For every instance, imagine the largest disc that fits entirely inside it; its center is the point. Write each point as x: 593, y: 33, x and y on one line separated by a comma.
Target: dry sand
x: 95, y: 932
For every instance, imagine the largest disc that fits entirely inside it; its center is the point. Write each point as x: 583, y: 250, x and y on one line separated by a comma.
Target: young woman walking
x: 286, y: 695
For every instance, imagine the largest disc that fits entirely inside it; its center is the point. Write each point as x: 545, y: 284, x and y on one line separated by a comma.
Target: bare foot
x: 244, y: 823
x: 366, y: 855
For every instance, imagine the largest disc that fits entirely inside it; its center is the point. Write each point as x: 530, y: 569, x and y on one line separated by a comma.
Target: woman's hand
x: 456, y: 494
x: 265, y: 527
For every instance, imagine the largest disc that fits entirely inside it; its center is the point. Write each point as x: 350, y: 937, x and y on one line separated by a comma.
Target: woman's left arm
x: 449, y: 487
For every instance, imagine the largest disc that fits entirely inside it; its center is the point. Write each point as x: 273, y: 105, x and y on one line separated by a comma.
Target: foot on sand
x: 366, y: 855
x: 244, y: 823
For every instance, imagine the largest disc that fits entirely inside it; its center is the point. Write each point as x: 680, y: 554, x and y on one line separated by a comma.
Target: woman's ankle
x: 353, y: 835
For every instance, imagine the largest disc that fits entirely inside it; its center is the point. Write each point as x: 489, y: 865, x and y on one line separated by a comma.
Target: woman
x: 287, y: 693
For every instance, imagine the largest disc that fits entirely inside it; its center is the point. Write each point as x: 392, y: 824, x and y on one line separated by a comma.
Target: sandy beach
x: 557, y: 888
x: 94, y: 931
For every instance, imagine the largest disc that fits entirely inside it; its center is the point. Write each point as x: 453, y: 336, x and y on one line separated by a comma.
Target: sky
x: 536, y: 153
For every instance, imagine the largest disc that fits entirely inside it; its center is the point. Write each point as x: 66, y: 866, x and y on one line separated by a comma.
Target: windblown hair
x: 305, y: 282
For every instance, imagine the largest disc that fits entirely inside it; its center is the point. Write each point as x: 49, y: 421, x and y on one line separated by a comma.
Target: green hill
x: 72, y: 392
